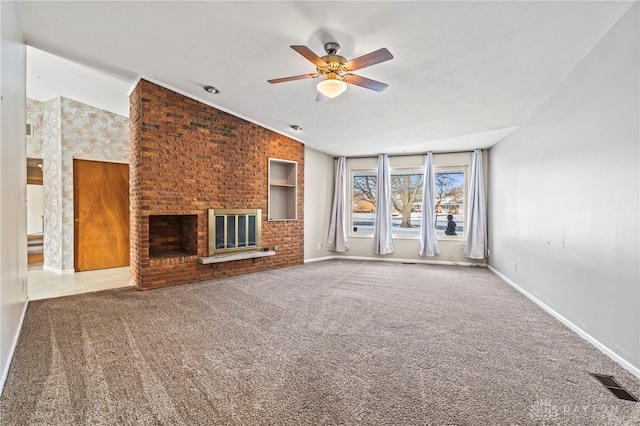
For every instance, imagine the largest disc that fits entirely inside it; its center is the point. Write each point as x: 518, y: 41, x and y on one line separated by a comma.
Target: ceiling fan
x: 337, y: 70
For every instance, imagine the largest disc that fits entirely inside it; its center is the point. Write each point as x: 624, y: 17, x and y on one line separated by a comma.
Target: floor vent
x: 614, y: 387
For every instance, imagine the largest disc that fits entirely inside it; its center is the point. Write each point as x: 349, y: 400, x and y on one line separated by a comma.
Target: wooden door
x: 101, y: 215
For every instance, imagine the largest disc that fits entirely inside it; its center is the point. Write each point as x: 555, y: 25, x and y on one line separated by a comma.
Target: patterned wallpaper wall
x: 35, y: 112
x: 71, y: 129
x: 88, y: 133
x: 51, y: 178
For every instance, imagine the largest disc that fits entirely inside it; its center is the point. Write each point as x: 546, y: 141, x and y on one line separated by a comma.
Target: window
x: 406, y: 199
x: 406, y: 189
x: 363, y: 202
x: 449, y: 201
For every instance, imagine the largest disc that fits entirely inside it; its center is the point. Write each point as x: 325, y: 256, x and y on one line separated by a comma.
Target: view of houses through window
x: 406, y: 199
x: 449, y: 201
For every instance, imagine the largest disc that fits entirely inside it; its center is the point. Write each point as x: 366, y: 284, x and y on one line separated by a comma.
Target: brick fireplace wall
x: 187, y: 157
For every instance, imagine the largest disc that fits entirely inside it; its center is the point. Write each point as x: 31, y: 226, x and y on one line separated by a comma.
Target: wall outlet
x: 319, y: 246
x: 515, y: 265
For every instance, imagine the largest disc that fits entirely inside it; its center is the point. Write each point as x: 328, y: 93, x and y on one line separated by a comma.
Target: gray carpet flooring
x: 328, y: 343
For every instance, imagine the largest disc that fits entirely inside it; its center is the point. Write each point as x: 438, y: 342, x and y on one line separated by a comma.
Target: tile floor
x: 45, y: 285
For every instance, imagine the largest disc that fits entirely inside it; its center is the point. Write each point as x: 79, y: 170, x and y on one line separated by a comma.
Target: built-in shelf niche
x: 283, y: 189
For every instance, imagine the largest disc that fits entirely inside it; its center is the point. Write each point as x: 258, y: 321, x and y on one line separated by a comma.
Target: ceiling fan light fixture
x: 332, y: 87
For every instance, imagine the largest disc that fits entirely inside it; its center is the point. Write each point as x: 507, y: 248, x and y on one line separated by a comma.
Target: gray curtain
x: 476, y: 244
x: 382, y: 238
x: 337, y: 239
x: 428, y: 238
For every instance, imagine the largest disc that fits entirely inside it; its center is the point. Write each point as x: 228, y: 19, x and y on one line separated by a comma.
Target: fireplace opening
x: 173, y: 236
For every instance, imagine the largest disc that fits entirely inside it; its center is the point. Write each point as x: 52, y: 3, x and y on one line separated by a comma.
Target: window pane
x: 242, y: 231
x: 363, y: 203
x: 406, y: 199
x: 219, y: 232
x: 231, y: 231
x: 252, y: 230
x: 449, y: 202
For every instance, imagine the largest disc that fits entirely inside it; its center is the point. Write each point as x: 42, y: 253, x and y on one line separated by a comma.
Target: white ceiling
x: 49, y: 76
x: 465, y: 74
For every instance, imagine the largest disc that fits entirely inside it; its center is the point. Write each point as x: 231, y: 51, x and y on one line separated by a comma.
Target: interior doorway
x: 35, y: 214
x: 101, y: 215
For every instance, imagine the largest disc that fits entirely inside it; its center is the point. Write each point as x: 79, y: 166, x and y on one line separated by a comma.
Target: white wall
x: 319, y: 173
x: 13, y: 183
x: 563, y: 197
x: 406, y: 249
x: 35, y: 209
x: 319, y: 178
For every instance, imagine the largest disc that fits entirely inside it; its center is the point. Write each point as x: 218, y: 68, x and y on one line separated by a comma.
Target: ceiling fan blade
x: 309, y: 55
x: 367, y: 83
x: 295, y: 77
x: 369, y: 59
x: 321, y: 97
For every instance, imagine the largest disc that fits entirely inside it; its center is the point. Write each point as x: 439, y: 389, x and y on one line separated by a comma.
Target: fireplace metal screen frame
x: 225, y: 213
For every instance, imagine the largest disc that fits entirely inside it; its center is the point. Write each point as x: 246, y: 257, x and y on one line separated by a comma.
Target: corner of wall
x: 318, y: 199
x: 13, y: 184
x: 553, y: 232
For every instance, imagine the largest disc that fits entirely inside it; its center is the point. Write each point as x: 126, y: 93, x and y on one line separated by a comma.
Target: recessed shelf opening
x: 283, y: 189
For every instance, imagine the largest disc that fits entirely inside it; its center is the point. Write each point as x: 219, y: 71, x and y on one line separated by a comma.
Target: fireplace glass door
x: 234, y: 230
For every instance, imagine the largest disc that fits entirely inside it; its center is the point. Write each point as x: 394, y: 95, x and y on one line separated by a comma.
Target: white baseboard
x: 396, y: 260
x: 59, y: 271
x: 14, y: 344
x: 320, y: 259
x: 586, y: 336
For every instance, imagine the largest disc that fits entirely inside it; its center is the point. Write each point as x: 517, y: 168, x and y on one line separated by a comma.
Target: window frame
x: 464, y: 169
x: 407, y: 170
x: 465, y: 186
x: 353, y: 174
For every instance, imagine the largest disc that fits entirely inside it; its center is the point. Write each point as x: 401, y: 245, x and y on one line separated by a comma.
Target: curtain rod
x: 406, y: 155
